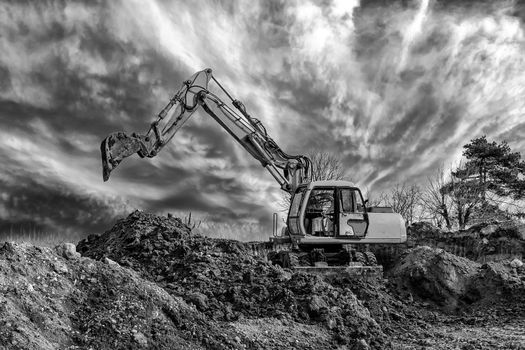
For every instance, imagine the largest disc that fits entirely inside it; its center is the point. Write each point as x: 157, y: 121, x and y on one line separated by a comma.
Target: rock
x: 9, y: 247
x: 60, y: 267
x: 516, y: 263
x: 247, y: 277
x: 141, y: 339
x: 521, y: 231
x: 488, y: 230
x: 315, y: 305
x: 108, y: 261
x: 68, y: 251
x: 360, y: 344
x: 199, y: 300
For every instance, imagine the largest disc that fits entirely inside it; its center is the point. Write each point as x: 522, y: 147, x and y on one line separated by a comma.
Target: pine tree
x: 498, y: 170
x: 491, y: 174
x: 465, y: 193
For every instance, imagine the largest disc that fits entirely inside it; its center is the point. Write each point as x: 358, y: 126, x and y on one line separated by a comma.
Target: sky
x: 394, y: 88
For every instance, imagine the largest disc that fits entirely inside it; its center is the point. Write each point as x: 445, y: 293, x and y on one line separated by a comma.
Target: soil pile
x: 434, y: 274
x: 149, y: 283
x: 227, y: 283
x: 456, y: 283
x: 54, y: 299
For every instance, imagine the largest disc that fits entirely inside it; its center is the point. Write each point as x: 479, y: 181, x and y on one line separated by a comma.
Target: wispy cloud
x: 395, y: 88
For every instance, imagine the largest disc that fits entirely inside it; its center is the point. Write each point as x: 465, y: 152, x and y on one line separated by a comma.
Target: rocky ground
x: 150, y: 283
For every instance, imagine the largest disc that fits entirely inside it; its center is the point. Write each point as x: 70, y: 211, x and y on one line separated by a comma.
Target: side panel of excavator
x: 384, y: 228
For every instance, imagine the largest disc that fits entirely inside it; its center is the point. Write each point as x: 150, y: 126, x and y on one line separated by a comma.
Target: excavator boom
x: 289, y: 171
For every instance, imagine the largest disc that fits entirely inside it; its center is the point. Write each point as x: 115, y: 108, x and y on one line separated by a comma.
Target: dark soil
x: 150, y: 283
x: 227, y: 283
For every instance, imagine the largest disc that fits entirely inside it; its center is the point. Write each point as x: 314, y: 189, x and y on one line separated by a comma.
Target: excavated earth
x: 150, y: 283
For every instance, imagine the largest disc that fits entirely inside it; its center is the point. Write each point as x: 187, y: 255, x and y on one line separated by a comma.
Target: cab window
x: 359, y: 204
x: 321, y: 201
x: 295, y: 207
x: 351, y: 201
x: 347, y: 200
x: 319, y: 216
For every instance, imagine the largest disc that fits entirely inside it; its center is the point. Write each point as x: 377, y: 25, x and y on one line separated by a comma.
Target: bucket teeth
x: 106, y: 165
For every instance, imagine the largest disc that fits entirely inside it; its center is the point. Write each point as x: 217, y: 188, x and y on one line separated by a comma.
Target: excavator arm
x: 289, y: 171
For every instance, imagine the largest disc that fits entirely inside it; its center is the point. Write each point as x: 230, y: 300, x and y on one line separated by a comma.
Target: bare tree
x: 454, y: 198
x: 404, y: 199
x: 435, y: 201
x: 324, y: 166
x: 376, y: 201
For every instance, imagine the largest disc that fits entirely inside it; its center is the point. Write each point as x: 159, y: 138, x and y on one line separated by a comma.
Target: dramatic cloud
x: 395, y: 88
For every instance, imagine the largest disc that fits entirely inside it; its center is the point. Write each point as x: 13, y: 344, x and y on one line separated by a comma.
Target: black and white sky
x: 395, y: 88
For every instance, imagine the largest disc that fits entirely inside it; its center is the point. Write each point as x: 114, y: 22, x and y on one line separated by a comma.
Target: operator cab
x: 331, y: 209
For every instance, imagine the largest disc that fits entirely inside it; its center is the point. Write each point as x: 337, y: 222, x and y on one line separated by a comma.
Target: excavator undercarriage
x: 342, y: 260
x: 319, y: 257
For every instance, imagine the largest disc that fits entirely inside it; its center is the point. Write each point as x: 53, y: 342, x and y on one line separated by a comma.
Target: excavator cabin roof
x: 330, y: 183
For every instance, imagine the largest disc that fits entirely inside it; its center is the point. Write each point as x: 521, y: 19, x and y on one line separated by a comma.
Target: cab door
x: 353, y: 219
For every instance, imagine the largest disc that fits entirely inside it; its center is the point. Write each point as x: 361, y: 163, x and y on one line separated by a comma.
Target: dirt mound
x: 434, y: 274
x: 55, y: 299
x: 156, y: 285
x: 227, y: 283
x: 456, y: 283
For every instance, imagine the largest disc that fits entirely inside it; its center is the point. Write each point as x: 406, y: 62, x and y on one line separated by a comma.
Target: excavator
x: 328, y: 221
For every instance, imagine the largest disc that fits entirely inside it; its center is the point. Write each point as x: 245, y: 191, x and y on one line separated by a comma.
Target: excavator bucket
x: 115, y: 148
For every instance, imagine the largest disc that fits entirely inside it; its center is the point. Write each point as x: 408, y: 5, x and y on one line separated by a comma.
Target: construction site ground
x: 150, y: 283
